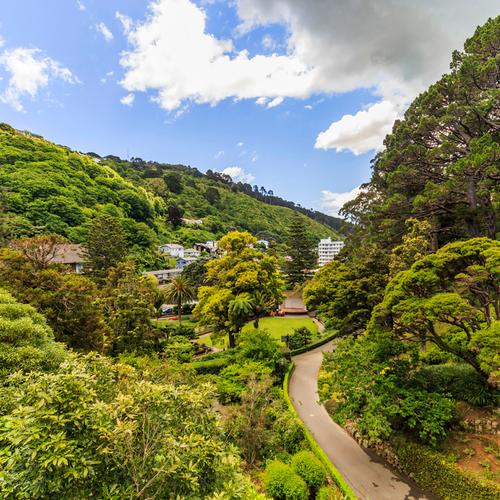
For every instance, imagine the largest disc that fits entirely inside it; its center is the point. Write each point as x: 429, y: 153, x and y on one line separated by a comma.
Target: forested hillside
x: 46, y: 188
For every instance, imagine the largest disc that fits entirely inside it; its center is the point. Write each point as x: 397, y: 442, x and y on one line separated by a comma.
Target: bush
x: 458, y: 379
x: 328, y: 493
x: 446, y: 480
x: 282, y: 483
x: 179, y: 348
x: 288, y: 433
x: 213, y: 365
x: 309, y: 468
x: 299, y: 338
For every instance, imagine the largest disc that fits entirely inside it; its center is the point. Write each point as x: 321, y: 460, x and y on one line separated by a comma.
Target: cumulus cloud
x: 361, y: 132
x: 81, y: 6
x: 219, y: 154
x: 238, y: 174
x: 268, y: 42
x: 128, y: 100
x: 125, y: 21
x: 394, y: 47
x: 30, y: 70
x: 104, y: 31
x: 332, y: 202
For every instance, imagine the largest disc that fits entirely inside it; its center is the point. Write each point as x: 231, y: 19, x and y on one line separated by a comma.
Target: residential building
x: 191, y: 252
x: 328, y: 249
x: 208, y: 247
x: 182, y: 262
x: 70, y: 255
x: 164, y: 275
x: 173, y: 249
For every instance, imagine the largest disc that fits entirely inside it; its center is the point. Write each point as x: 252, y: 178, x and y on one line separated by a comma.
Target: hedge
x: 310, y: 347
x: 211, y: 365
x: 445, y: 479
x: 317, y: 450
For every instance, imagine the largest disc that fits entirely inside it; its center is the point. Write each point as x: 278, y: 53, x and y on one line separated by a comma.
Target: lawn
x: 277, y: 327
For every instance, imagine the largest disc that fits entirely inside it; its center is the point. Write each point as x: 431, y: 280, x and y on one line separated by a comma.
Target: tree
x: 301, y: 250
x: 128, y: 302
x: 212, y: 195
x: 26, y: 341
x: 105, y: 246
x: 173, y: 180
x: 175, y: 215
x: 39, y: 250
x: 196, y: 272
x: 236, y: 276
x: 179, y: 291
x: 451, y: 299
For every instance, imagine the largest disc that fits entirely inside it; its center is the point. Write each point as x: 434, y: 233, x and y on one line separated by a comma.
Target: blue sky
x: 289, y: 96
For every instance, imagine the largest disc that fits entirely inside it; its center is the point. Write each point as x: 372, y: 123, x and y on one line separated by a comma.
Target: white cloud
x: 362, y: 132
x: 337, y: 46
x: 332, y: 202
x: 128, y: 100
x: 29, y: 72
x: 125, y: 21
x: 308, y: 106
x: 240, y: 144
x: 255, y: 157
x: 108, y: 75
x: 275, y: 102
x: 238, y: 174
x: 104, y: 31
x: 81, y: 6
x: 219, y: 154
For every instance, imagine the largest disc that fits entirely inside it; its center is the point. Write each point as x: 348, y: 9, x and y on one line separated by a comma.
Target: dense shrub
x: 309, y: 468
x: 287, y: 431
x: 446, y: 480
x: 299, y: 338
x: 213, y: 365
x: 328, y: 493
x: 179, y: 348
x: 282, y: 483
x: 458, y: 379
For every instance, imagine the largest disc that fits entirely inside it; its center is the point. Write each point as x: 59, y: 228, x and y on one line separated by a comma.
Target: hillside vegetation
x: 46, y: 188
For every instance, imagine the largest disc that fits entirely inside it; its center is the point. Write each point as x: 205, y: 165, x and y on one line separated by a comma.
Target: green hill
x: 47, y: 188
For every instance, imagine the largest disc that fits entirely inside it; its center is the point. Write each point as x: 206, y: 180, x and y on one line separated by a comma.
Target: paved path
x: 369, y: 477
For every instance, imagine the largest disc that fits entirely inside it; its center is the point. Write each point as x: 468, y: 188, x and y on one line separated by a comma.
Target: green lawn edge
x: 334, y: 473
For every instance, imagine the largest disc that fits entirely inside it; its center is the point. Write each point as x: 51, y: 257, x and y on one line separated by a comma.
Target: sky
x: 293, y: 95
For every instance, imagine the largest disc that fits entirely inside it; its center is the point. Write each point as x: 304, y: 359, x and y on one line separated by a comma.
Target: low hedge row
x: 214, y: 365
x: 310, y: 347
x: 317, y: 450
x: 442, y: 478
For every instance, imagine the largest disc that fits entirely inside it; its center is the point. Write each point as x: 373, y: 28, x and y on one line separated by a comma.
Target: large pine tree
x: 301, y: 250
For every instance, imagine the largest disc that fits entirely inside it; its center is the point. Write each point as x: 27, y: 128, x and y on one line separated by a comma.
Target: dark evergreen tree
x: 105, y: 246
x: 301, y: 250
x: 175, y: 215
x: 173, y: 180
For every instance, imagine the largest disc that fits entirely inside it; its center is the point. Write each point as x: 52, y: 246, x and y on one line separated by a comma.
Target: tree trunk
x: 256, y: 323
x: 232, y: 342
x: 179, y: 311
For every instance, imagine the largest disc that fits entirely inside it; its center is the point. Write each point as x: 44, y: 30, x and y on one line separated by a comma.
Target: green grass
x: 276, y: 327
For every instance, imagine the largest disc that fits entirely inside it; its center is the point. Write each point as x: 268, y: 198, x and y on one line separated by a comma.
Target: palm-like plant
x: 179, y: 291
x: 240, y: 309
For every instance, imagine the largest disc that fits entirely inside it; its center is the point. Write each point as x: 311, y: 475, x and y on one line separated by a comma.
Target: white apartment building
x: 173, y: 249
x: 327, y: 250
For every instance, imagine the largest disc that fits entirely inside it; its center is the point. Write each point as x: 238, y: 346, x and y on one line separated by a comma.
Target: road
x: 369, y: 476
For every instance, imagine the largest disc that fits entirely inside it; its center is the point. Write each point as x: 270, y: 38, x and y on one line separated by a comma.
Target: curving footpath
x: 369, y: 477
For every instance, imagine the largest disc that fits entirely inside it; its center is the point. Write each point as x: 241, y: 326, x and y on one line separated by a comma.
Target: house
x: 208, y: 247
x: 191, y: 252
x: 173, y: 249
x: 163, y: 275
x: 182, y: 262
x: 328, y: 249
x: 70, y: 255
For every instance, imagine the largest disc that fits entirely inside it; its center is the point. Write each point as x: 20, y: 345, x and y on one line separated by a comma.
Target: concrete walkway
x: 369, y: 477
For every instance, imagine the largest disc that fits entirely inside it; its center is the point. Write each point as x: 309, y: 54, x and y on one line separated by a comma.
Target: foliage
x: 299, y: 338
x: 179, y: 348
x: 282, y: 483
x: 366, y: 381
x: 196, y: 273
x: 309, y: 468
x: 239, y: 273
x: 128, y: 302
x: 179, y: 291
x: 458, y: 379
x: 301, y: 250
x: 346, y: 290
x: 214, y: 365
x: 101, y: 429
x: 451, y: 299
x: 328, y: 493
x: 444, y: 479
x: 68, y: 301
x: 105, y: 246
x: 26, y: 341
